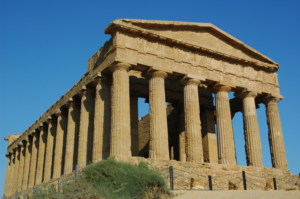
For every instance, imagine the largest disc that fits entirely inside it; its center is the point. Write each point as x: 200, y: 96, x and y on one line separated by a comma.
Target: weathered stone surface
x: 33, y: 160
x: 27, y: 163
x: 120, y: 143
x: 21, y: 165
x: 226, y: 145
x: 251, y: 131
x: 158, y: 146
x: 51, y: 133
x: 72, y: 136
x: 86, y: 127
x: 62, y: 123
x: 102, y: 120
x: 192, y: 120
x: 275, y: 134
x: 41, y: 153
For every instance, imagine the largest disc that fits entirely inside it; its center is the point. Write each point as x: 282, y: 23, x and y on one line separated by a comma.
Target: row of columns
x: 99, y: 127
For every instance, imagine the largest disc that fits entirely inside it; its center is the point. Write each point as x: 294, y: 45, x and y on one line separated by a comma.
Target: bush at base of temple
x: 113, y: 179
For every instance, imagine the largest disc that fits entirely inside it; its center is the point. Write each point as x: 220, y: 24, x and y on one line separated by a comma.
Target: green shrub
x: 112, y: 180
x: 123, y: 180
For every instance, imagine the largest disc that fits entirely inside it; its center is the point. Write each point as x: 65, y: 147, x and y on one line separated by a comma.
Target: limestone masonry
x: 162, y: 61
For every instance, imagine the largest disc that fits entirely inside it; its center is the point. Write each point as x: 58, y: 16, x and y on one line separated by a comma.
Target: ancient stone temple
x: 182, y: 64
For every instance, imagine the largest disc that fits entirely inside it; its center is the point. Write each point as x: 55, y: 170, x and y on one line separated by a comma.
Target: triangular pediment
x: 205, y: 36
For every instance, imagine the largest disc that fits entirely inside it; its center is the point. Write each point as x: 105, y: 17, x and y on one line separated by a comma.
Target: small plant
x: 291, y: 189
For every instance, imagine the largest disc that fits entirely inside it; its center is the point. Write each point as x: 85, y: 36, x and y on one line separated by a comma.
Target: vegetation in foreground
x: 112, y: 180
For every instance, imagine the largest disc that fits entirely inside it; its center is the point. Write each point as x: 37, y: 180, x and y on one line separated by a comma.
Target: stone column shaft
x: 16, y: 169
x: 134, y: 123
x: 120, y: 143
x: 7, y: 176
x: 159, y: 145
x: 12, y: 173
x: 192, y: 120
x: 50, y: 148
x: 182, y: 136
x: 276, y: 141
x: 251, y: 130
x: 27, y: 163
x: 209, y: 139
x: 102, y: 121
x: 41, y: 154
x: 34, y: 148
x: 62, y: 123
x: 72, y: 136
x: 226, y: 145
x: 21, y: 165
x: 85, y: 142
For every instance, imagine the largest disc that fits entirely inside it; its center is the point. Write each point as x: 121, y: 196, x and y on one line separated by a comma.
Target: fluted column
x: 85, y: 142
x: 182, y: 134
x: 41, y: 154
x: 62, y: 123
x: 52, y: 123
x: 11, y: 173
x: 102, y: 121
x: 226, y: 145
x: 120, y: 143
x: 21, y: 165
x: 159, y: 146
x: 134, y: 123
x: 27, y: 163
x: 276, y: 141
x: 251, y: 130
x: 16, y: 169
x: 33, y: 160
x: 72, y: 136
x: 192, y: 120
x: 7, y: 175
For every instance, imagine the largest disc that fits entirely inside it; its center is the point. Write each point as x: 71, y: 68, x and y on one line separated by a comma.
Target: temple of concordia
x: 176, y: 62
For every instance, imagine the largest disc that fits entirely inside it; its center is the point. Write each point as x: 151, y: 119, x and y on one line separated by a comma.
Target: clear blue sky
x: 45, y: 45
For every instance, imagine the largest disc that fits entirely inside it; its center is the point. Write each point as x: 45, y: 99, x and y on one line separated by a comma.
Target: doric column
x: 41, y: 153
x: 209, y: 139
x: 62, y: 123
x: 34, y: 148
x: 8, y: 176
x: 16, y: 169
x: 192, y: 120
x: 49, y: 147
x: 275, y: 133
x: 27, y: 163
x: 21, y: 165
x: 85, y: 142
x: 159, y: 146
x: 120, y: 111
x: 226, y: 145
x: 102, y: 121
x: 12, y: 173
x: 72, y: 136
x: 134, y: 123
x: 182, y: 135
x: 251, y: 130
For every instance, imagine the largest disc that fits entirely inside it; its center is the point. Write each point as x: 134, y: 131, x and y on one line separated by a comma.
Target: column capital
x: 60, y: 112
x: 98, y: 80
x: 222, y: 86
x: 269, y: 99
x: 190, y: 79
x: 246, y: 93
x: 86, y: 91
x: 156, y: 73
x: 119, y: 66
